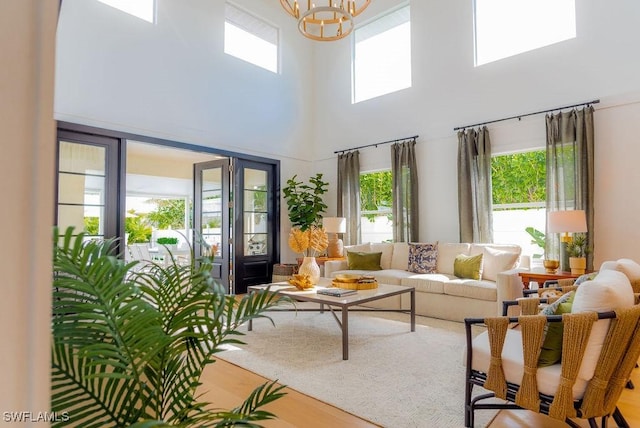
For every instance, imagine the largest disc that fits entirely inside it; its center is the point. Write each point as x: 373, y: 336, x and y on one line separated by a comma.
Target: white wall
x: 27, y: 32
x: 172, y: 80
x: 448, y: 91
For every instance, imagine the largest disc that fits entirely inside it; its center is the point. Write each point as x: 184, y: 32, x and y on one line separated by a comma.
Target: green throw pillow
x: 363, y: 261
x: 467, y: 266
x: 551, y: 351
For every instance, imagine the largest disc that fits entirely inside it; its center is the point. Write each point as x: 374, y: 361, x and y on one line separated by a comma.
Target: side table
x: 541, y: 277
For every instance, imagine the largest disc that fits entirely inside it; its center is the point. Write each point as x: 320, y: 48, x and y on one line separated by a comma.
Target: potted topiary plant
x: 577, y: 250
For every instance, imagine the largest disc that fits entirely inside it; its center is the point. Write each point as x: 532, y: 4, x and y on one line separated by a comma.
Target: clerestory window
x: 250, y: 39
x: 504, y: 28
x: 382, y: 56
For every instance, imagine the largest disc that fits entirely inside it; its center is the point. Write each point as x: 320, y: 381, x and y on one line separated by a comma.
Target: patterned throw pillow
x: 422, y: 258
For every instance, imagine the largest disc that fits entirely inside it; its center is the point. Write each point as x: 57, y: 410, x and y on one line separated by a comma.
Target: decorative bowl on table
x: 355, y: 282
x: 347, y: 278
x: 551, y: 266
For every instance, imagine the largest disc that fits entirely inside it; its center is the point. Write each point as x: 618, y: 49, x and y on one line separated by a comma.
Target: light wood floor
x: 227, y: 385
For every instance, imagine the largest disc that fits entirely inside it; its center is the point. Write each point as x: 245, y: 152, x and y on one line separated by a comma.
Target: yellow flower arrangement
x: 310, y: 242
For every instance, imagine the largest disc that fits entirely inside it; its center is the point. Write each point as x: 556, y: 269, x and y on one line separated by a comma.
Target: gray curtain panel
x: 570, y: 166
x: 349, y: 195
x: 404, y: 173
x: 474, y: 186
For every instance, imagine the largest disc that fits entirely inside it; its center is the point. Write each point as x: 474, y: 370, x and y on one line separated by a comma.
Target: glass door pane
x: 87, y: 187
x: 255, y: 230
x: 211, y: 216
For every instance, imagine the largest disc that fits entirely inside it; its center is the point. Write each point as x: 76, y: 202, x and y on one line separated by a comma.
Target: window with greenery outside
x: 519, y: 199
x: 376, y: 199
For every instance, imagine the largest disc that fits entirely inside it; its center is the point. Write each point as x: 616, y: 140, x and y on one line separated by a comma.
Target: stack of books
x: 336, y: 292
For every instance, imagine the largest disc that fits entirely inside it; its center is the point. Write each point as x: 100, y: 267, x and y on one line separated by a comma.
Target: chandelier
x: 325, y: 23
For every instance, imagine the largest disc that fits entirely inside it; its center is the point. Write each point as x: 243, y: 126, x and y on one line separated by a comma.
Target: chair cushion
x: 512, y: 359
x: 468, y: 266
x: 422, y: 257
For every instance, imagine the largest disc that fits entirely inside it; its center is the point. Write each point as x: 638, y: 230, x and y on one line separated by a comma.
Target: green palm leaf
x: 129, y: 348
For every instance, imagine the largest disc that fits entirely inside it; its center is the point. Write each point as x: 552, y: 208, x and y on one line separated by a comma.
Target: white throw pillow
x: 400, y: 258
x: 608, y: 291
x: 496, y: 261
x: 386, y: 248
x: 447, y: 253
x: 358, y: 248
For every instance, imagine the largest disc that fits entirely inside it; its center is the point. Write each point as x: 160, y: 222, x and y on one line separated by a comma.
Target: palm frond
x: 130, y: 347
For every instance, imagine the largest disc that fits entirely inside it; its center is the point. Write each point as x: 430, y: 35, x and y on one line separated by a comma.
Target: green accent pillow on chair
x: 551, y: 351
x: 468, y: 266
x: 363, y: 261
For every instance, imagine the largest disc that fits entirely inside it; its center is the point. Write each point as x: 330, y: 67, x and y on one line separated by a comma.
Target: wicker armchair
x: 563, y: 394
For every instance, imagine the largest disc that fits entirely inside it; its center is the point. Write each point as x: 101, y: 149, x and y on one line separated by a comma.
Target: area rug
x: 394, y: 378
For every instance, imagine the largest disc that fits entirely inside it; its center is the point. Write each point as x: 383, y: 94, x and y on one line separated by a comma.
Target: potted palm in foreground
x: 129, y: 347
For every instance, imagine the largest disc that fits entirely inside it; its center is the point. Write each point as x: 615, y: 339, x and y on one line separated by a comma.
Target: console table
x: 541, y: 277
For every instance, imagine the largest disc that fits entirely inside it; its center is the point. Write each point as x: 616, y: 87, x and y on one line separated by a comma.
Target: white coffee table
x: 345, y: 303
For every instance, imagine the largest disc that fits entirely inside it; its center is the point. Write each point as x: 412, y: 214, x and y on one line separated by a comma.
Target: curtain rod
x: 377, y: 144
x: 520, y: 116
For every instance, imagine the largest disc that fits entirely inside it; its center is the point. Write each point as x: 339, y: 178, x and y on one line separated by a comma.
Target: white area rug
x: 393, y: 377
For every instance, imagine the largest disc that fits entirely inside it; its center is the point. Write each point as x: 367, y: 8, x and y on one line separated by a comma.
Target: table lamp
x: 565, y: 222
x: 333, y: 226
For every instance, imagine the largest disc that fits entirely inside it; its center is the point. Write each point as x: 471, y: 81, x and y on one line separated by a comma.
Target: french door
x: 212, y: 214
x: 235, y: 215
x: 256, y: 224
x: 235, y: 220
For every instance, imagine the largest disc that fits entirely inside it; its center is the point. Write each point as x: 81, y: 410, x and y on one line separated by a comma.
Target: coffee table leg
x: 413, y: 309
x: 345, y: 333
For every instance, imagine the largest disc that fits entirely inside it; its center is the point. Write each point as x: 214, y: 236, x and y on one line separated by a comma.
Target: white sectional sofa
x: 442, y: 294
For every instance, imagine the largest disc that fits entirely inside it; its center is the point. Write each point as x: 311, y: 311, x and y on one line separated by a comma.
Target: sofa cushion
x: 468, y: 266
x: 496, y: 260
x: 470, y: 288
x: 427, y: 282
x: 363, y: 261
x: 422, y: 257
x: 608, y: 291
x: 386, y: 248
x: 391, y: 276
x: 447, y: 253
x: 400, y: 258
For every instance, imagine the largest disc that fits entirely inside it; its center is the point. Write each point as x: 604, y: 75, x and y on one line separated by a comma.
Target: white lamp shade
x: 334, y: 224
x: 567, y: 221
